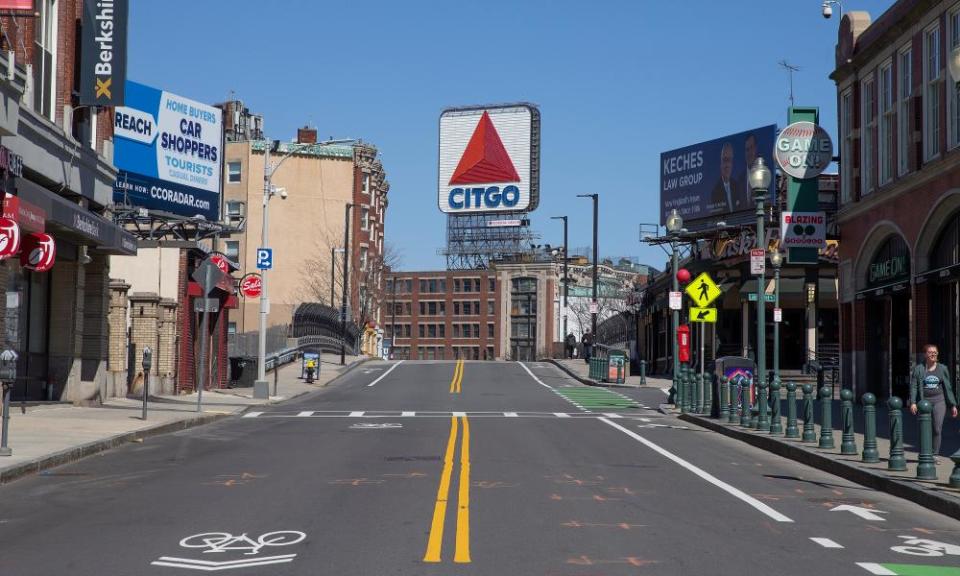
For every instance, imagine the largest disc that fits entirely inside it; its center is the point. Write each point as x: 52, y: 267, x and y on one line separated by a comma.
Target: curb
x: 79, y: 452
x: 902, y: 489
x: 588, y: 381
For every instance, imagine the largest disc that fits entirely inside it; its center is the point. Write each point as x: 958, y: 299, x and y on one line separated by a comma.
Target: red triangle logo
x: 485, y: 159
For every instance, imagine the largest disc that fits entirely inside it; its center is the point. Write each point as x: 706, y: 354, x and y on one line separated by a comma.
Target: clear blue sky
x: 617, y: 84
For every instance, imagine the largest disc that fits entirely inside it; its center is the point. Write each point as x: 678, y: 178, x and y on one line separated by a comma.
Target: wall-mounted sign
x: 890, y: 263
x: 803, y: 150
x: 758, y: 261
x: 39, y: 252
x: 103, y: 54
x: 803, y: 229
x: 489, y: 159
x: 30, y: 217
x: 251, y: 286
x: 9, y: 238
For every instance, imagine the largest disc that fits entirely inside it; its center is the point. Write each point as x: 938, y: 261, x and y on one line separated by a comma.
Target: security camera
x: 283, y: 194
x: 827, y: 10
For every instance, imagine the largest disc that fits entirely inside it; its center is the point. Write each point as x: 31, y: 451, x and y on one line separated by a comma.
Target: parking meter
x: 147, y: 362
x: 8, y: 374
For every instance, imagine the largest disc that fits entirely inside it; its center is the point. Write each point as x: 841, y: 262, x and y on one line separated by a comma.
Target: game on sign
x: 703, y: 314
x: 703, y: 290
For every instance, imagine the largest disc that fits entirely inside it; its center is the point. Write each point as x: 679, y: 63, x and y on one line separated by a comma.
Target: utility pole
x: 346, y: 282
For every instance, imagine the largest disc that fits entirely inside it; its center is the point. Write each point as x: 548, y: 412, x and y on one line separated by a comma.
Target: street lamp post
x: 333, y: 268
x: 596, y: 258
x: 674, y: 226
x: 566, y: 279
x: 776, y: 260
x: 760, y: 184
x: 346, y: 282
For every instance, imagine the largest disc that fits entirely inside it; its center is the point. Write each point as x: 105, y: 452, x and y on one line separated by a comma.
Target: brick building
x: 899, y: 132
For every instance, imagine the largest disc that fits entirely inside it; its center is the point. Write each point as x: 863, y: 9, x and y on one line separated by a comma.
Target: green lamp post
x: 759, y: 179
x: 674, y: 226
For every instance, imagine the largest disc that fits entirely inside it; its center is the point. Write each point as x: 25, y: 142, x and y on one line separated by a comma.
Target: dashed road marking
x: 305, y: 414
x: 252, y: 414
x: 408, y: 414
x: 510, y: 414
x: 561, y: 415
x: 356, y: 414
x: 826, y: 543
x: 874, y: 568
x: 384, y: 375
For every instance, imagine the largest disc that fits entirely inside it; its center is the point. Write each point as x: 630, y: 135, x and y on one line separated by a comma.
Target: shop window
x: 233, y: 172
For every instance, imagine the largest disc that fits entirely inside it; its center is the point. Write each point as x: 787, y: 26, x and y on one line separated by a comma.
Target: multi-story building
x: 899, y: 143
x: 443, y: 315
x: 306, y: 222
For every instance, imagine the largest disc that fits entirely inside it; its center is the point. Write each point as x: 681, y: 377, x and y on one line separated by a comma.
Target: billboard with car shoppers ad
x: 709, y: 180
x: 168, y: 152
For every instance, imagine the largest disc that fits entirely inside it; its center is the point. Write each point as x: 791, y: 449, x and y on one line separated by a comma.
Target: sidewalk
x: 579, y: 369
x: 50, y: 435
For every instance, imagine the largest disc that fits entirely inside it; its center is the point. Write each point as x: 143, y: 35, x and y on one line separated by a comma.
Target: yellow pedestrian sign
x: 703, y: 290
x: 703, y: 315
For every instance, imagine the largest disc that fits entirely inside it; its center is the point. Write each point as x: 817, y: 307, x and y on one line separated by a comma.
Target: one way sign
x: 703, y: 314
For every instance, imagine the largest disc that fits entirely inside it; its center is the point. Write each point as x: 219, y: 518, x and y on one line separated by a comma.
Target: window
x: 904, y: 118
x: 456, y: 285
x: 442, y: 283
x: 231, y: 328
x: 432, y: 330
x: 45, y: 60
x: 490, y: 307
x: 456, y: 308
x: 432, y: 308
x: 476, y: 285
x: 232, y: 249
x: 931, y: 93
x: 456, y: 330
x: 885, y: 131
x: 489, y: 330
x: 467, y: 286
x: 233, y: 172
x: 365, y: 184
x: 953, y: 124
x: 493, y: 285
x: 234, y: 209
x: 433, y: 285
x: 422, y: 330
x: 363, y: 257
x: 365, y: 218
x: 868, y: 131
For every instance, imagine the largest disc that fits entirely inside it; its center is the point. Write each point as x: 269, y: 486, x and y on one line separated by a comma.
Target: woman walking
x: 931, y: 381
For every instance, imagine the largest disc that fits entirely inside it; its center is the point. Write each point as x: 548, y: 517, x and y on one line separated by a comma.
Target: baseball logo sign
x: 39, y: 252
x: 9, y: 238
x: 251, y: 286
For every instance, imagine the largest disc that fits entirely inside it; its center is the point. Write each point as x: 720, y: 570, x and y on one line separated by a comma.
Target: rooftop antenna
x: 790, y: 68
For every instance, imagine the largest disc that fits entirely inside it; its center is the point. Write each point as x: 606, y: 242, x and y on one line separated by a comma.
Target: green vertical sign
x: 802, y: 195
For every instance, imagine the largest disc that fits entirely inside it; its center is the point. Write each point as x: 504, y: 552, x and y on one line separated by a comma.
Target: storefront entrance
x: 887, y: 320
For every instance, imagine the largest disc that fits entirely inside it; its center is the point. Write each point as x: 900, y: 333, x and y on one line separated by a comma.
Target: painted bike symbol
x: 224, y: 541
x: 926, y: 547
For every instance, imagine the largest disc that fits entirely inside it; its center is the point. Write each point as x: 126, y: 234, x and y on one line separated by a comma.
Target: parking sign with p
x: 264, y: 258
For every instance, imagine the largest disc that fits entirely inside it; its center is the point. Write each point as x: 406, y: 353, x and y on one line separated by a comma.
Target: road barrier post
x: 792, y: 431
x: 763, y: 412
x: 809, y: 433
x: 955, y: 475
x: 896, y: 462
x: 848, y: 443
x: 697, y: 393
x: 643, y: 372
x: 745, y: 402
x: 926, y: 469
x: 776, y: 424
x: 724, y: 399
x: 870, y: 453
x: 826, y: 418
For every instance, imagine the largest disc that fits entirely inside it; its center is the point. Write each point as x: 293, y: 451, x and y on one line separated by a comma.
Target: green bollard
x: 792, y: 431
x: 870, y: 453
x: 955, y: 475
x: 732, y: 388
x: 697, y: 394
x: 724, y: 396
x: 809, y: 433
x: 896, y: 462
x: 685, y: 387
x: 763, y: 418
x: 643, y: 372
x: 776, y: 425
x: 826, y: 419
x: 926, y: 469
x: 848, y: 443
x: 745, y: 402
x: 708, y: 392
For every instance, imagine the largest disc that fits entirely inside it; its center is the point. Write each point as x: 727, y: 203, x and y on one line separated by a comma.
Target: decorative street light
x: 674, y: 226
x: 759, y: 179
x: 776, y: 260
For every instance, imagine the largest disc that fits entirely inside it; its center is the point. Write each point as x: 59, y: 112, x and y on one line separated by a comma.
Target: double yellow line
x: 456, y: 383
x: 435, y: 542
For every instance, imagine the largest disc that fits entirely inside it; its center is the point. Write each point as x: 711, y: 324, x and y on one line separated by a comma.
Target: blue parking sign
x: 265, y: 258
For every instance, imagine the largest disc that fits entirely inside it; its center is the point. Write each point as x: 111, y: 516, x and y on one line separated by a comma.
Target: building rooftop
x: 316, y: 150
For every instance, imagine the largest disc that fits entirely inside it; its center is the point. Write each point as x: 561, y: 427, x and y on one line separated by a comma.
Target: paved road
x: 479, y: 468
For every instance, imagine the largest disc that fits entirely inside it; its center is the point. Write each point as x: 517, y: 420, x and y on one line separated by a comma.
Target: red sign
x: 30, y: 217
x: 251, y: 286
x: 9, y: 238
x: 39, y: 252
x: 221, y: 262
x: 16, y: 4
x: 485, y: 159
x: 683, y: 343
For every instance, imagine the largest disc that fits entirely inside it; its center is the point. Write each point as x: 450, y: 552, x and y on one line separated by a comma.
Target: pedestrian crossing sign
x: 703, y: 290
x: 703, y: 315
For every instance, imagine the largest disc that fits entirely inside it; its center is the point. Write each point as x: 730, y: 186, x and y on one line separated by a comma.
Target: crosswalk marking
x: 306, y: 414
x: 252, y: 414
x: 510, y: 414
x: 561, y: 415
x: 457, y: 414
x: 408, y: 414
x: 826, y: 543
x: 877, y: 569
x: 356, y: 414
x: 610, y: 415
x: 377, y: 414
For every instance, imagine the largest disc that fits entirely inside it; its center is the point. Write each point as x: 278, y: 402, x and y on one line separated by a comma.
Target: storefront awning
x: 85, y: 226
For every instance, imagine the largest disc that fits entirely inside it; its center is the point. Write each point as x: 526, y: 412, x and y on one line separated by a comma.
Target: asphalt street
x: 487, y: 468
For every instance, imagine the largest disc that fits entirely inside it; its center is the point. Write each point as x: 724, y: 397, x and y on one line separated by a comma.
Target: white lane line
x: 356, y: 415
x: 252, y: 414
x: 826, y: 543
x: 537, y: 380
x: 510, y: 414
x: 305, y: 414
x: 644, y: 419
x: 384, y: 375
x: 702, y: 473
x: 408, y: 414
x: 561, y: 415
x: 456, y: 414
x: 877, y: 569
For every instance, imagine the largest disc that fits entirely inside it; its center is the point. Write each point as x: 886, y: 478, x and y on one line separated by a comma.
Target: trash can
x: 616, y: 367
x: 243, y: 371
x: 735, y: 368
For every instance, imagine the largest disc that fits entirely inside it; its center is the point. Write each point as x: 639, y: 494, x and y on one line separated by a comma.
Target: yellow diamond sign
x: 703, y: 290
x: 703, y: 315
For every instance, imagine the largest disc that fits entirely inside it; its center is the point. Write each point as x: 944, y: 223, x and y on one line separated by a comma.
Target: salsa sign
x: 251, y: 285
x: 803, y: 150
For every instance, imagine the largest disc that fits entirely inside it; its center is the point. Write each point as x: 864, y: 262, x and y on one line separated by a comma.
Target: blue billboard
x: 168, y: 152
x: 709, y: 180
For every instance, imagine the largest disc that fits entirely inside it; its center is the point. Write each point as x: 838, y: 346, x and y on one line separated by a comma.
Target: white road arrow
x: 865, y: 513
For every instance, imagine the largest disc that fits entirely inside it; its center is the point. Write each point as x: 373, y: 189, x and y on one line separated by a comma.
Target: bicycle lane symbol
x: 217, y: 543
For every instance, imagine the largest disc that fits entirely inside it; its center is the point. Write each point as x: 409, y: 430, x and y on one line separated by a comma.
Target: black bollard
x: 896, y: 461
x: 809, y: 432
x: 826, y: 417
x: 870, y: 452
x: 848, y: 443
x: 792, y: 431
